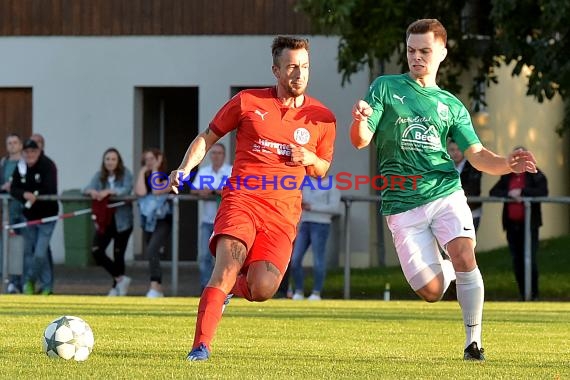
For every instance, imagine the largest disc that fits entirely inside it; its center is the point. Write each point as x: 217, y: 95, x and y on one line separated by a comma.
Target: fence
x: 67, y: 198
x: 348, y: 200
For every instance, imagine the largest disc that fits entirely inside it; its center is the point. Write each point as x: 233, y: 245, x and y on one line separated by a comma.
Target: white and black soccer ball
x: 68, y: 337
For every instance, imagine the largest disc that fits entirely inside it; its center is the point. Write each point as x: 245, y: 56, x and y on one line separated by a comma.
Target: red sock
x: 209, y: 315
x: 240, y: 288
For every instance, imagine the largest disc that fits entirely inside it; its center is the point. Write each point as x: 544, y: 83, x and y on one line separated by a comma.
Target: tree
x: 492, y: 33
x: 542, y: 45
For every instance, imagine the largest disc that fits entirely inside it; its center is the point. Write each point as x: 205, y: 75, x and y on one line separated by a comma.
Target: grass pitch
x: 138, y: 338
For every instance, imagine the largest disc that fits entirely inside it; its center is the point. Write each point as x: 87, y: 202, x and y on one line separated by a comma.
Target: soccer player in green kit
x: 409, y: 118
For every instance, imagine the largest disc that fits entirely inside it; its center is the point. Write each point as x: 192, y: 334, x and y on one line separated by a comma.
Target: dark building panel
x: 15, y: 114
x: 150, y: 17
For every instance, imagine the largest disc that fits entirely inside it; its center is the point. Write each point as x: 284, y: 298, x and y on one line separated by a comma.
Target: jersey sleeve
x: 462, y: 130
x: 228, y: 117
x: 374, y: 98
x: 325, y: 146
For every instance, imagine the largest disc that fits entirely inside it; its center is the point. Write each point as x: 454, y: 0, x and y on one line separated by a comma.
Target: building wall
x: 84, y: 91
x: 517, y: 119
x: 84, y: 94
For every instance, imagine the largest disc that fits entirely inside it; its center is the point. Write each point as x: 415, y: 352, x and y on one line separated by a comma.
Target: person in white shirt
x: 208, y: 183
x: 321, y: 202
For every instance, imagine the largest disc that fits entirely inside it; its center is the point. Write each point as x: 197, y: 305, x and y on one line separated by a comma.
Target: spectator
x: 39, y: 139
x: 156, y: 214
x: 7, y: 166
x: 321, y: 202
x: 40, y: 178
x: 515, y: 186
x: 113, y: 179
x: 470, y: 179
x: 207, y: 182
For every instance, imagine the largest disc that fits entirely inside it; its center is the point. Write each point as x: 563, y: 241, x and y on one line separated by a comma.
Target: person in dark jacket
x: 470, y: 179
x: 38, y: 178
x: 517, y: 185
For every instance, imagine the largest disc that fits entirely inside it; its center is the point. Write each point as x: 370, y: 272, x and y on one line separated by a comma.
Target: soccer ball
x: 68, y: 337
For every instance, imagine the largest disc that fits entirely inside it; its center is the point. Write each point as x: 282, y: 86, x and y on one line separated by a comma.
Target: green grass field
x: 138, y: 338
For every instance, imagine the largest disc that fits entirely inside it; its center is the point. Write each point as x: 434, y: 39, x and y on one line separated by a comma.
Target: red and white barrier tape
x: 58, y: 217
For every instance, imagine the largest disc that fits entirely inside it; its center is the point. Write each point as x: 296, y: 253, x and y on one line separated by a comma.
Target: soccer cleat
x: 46, y: 291
x: 199, y: 353
x: 226, y: 302
x: 123, y: 286
x: 472, y: 352
x: 314, y: 297
x: 113, y: 292
x: 153, y: 293
x: 12, y: 289
x: 29, y: 288
x: 297, y: 296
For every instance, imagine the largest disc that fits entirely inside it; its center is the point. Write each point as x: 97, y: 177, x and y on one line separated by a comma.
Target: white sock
x: 470, y: 294
x: 448, y: 274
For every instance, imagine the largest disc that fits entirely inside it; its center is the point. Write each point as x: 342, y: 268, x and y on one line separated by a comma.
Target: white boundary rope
x: 58, y: 217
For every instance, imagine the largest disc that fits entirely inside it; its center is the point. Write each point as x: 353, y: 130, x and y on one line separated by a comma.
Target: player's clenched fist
x: 361, y: 111
x: 300, y: 156
x: 174, y: 180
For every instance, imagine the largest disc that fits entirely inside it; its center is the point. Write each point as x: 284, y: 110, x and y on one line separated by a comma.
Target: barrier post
x: 347, y: 205
x: 175, y: 233
x: 527, y: 252
x: 5, y: 236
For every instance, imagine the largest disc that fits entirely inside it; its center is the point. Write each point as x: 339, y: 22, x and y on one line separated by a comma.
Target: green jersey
x: 411, y: 124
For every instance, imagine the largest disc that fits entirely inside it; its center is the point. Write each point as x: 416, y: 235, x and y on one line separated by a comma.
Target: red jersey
x: 515, y: 210
x: 265, y: 130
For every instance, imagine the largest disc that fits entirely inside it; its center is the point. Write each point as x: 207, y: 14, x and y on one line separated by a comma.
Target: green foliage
x: 536, y: 34
x: 491, y: 33
x: 372, y: 32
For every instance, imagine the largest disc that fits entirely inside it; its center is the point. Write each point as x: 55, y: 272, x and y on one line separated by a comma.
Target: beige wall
x: 517, y: 119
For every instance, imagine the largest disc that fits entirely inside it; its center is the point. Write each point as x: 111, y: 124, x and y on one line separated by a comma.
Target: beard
x: 295, y: 91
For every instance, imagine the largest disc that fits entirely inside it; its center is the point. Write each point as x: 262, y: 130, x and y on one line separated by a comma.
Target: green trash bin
x: 78, y: 231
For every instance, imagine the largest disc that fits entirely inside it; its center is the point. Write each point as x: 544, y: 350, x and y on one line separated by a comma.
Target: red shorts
x: 266, y: 233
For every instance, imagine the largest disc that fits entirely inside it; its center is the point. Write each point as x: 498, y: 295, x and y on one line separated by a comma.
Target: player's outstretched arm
x: 194, y: 155
x: 360, y: 135
x: 486, y: 161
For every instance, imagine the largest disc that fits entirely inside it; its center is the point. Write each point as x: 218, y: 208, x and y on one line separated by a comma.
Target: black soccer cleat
x: 472, y: 352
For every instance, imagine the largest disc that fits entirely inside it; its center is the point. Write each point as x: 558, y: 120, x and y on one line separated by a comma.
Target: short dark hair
x: 13, y: 134
x: 287, y: 42
x: 427, y: 25
x: 220, y: 145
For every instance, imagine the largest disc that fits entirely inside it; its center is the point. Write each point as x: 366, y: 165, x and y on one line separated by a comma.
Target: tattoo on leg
x: 238, y: 252
x: 272, y: 268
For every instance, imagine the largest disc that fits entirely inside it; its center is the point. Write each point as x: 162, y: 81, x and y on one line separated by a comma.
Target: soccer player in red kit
x: 282, y: 136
